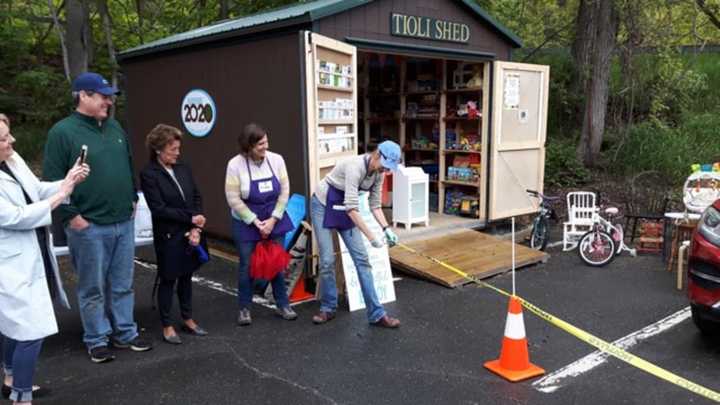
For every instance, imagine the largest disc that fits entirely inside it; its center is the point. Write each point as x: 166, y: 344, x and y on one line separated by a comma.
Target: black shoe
x: 38, y: 392
x: 100, y: 354
x: 197, y: 331
x: 136, y: 345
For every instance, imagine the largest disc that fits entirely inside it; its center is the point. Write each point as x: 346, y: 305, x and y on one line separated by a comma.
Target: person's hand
x: 198, y: 220
x: 377, y: 243
x: 78, y: 223
x: 268, y: 226
x: 390, y: 237
x: 194, y: 236
x: 77, y: 174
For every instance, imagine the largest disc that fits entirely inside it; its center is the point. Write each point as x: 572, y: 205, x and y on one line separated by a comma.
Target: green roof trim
x: 281, y: 17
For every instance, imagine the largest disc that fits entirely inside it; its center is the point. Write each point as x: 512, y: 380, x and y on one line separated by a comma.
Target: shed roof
x: 296, y: 13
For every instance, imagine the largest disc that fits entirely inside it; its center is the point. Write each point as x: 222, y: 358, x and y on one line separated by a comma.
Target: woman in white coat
x: 29, y: 276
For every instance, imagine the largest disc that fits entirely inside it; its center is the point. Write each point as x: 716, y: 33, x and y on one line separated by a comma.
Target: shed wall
x: 372, y: 22
x: 256, y: 81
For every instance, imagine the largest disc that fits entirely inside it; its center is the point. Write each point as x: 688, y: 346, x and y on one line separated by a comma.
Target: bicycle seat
x: 611, y: 210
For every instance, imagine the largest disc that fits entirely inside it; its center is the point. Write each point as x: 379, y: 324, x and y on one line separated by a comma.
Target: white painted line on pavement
x: 553, y: 381
x: 554, y: 244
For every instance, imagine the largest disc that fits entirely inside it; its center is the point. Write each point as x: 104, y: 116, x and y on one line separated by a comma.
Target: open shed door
x: 519, y: 120
x: 331, y: 100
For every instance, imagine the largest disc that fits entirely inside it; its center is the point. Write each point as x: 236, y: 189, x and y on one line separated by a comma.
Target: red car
x: 704, y: 271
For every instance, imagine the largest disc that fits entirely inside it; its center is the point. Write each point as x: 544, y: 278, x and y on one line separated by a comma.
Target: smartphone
x: 83, y: 154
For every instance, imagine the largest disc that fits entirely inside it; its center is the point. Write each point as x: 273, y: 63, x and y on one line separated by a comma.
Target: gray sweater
x: 350, y: 175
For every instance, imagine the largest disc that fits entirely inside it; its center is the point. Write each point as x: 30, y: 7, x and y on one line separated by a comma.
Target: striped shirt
x: 351, y: 175
x: 237, y: 184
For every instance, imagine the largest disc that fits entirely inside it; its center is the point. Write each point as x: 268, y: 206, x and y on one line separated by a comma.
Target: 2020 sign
x: 198, y: 113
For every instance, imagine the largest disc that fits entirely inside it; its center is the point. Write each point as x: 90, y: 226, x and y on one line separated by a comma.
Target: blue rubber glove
x: 377, y: 243
x: 390, y: 237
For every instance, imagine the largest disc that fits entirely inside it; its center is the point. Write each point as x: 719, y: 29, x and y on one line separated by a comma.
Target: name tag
x: 265, y: 186
x: 339, y: 207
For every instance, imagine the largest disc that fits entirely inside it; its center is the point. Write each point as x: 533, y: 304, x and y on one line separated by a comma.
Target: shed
x: 331, y: 78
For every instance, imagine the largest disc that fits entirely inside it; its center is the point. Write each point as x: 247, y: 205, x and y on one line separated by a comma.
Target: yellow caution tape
x: 586, y: 337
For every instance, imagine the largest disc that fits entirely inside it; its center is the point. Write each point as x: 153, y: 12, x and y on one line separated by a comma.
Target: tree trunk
x: 76, y: 37
x: 224, y: 9
x: 596, y: 95
x: 107, y: 28
x: 582, y: 45
x: 61, y: 36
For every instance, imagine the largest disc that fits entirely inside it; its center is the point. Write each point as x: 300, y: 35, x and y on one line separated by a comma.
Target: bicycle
x: 604, y: 240
x: 540, y: 228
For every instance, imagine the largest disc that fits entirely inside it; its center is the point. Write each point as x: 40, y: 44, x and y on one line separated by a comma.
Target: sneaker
x: 286, y: 313
x: 136, y: 345
x: 244, y: 318
x: 323, y: 317
x: 100, y: 354
x: 387, y: 322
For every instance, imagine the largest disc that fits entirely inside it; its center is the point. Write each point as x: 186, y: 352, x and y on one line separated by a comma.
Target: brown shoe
x: 323, y: 317
x: 387, y: 322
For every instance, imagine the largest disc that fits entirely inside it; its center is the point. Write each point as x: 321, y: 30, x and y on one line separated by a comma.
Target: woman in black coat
x: 176, y: 207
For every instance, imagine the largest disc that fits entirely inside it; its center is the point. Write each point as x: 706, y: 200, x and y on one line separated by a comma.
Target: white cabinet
x: 410, y: 196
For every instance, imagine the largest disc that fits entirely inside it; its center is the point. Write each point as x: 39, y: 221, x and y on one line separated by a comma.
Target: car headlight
x: 709, y: 226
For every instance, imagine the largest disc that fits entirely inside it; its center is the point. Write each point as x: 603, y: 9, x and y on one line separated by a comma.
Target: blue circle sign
x: 198, y: 113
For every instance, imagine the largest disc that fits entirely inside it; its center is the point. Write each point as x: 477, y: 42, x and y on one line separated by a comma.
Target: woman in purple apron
x: 335, y: 207
x: 257, y: 189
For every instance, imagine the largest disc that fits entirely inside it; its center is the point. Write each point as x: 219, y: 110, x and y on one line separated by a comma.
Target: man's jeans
x: 19, y: 359
x: 245, y: 283
x: 102, y: 256
x: 354, y: 243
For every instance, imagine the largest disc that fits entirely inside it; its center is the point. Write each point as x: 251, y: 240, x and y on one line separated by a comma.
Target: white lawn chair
x: 582, y: 214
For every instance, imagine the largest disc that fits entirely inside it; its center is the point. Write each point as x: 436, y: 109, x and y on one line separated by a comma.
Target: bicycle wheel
x: 539, y: 235
x: 596, y: 248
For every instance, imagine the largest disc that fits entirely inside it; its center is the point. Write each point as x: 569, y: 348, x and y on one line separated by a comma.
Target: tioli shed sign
x: 428, y: 28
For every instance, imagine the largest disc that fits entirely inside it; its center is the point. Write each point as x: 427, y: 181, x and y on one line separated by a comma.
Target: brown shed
x: 331, y: 78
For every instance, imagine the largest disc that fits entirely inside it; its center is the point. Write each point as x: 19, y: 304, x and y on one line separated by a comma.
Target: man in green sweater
x: 98, y: 219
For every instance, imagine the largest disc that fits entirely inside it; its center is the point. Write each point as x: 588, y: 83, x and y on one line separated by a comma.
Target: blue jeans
x: 102, y: 256
x: 18, y: 359
x: 245, y: 283
x: 354, y: 242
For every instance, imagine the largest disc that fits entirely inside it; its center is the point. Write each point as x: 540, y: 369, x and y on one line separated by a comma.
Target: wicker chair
x: 648, y: 198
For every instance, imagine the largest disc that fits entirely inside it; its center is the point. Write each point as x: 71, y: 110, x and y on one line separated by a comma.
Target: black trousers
x: 165, y: 298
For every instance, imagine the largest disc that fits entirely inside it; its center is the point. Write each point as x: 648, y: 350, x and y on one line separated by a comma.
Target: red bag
x: 268, y: 259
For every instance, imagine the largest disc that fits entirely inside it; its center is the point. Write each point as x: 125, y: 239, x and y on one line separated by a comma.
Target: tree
x: 599, y: 44
x: 77, y: 37
x: 712, y: 12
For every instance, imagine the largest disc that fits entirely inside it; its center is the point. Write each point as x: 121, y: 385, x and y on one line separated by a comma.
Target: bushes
x: 562, y: 168
x: 652, y: 146
x: 34, y: 100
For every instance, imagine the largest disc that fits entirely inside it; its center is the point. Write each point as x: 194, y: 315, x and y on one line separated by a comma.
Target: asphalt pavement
x: 435, y: 357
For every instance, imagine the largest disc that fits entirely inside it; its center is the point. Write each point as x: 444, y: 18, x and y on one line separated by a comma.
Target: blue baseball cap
x: 390, y: 154
x: 90, y: 81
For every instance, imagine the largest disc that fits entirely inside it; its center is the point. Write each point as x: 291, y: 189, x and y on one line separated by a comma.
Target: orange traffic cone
x: 514, y: 362
x: 299, y: 293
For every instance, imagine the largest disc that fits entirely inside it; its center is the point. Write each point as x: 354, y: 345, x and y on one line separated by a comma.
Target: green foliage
x: 709, y: 65
x: 42, y: 95
x: 562, y: 168
x: 653, y: 146
x: 673, y: 86
x: 30, y: 142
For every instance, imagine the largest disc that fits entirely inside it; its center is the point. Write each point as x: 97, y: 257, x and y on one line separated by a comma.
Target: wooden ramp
x: 478, y: 254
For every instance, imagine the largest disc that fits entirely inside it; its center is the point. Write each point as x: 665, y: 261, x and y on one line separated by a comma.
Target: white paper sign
x: 511, y: 94
x: 379, y: 261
